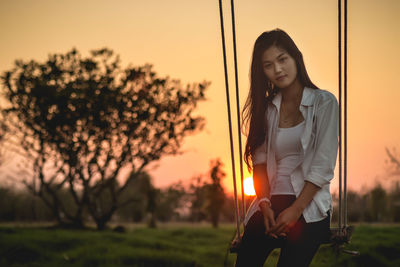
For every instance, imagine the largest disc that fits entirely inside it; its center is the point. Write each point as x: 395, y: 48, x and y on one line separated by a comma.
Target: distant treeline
x: 373, y: 205
x: 203, y: 199
x: 198, y: 202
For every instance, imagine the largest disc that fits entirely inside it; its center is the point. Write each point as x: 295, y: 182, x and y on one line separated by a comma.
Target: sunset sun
x: 248, y: 186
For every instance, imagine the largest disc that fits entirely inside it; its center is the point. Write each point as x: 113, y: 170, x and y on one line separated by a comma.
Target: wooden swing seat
x: 338, y: 239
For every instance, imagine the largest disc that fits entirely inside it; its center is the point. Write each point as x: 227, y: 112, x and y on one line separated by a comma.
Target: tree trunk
x: 101, y: 224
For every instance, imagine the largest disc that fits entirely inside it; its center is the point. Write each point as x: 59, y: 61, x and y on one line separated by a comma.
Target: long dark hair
x: 262, y: 91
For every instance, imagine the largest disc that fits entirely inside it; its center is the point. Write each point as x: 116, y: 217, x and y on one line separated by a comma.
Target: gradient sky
x: 181, y: 38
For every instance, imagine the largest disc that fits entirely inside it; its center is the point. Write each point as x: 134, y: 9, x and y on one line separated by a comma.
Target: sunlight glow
x: 249, y: 187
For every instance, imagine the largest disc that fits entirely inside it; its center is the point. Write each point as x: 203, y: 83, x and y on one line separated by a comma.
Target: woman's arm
x: 261, y: 186
x: 260, y: 180
x: 289, y: 216
x: 305, y: 197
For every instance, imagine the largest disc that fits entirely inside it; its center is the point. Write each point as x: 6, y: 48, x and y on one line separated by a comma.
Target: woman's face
x: 279, y: 67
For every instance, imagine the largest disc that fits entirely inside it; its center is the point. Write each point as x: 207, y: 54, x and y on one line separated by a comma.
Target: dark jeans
x: 297, y: 249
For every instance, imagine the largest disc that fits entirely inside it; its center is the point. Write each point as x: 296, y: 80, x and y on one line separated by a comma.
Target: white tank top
x: 287, y: 151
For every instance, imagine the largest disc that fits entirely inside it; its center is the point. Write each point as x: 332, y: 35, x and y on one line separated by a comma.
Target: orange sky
x: 181, y: 39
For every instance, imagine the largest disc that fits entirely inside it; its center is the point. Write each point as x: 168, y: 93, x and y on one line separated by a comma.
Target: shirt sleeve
x: 260, y: 155
x: 326, y: 143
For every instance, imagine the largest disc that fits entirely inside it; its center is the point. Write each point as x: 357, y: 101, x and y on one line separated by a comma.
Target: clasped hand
x: 285, y: 220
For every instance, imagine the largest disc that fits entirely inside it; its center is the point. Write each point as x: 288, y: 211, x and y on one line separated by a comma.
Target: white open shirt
x: 319, y: 150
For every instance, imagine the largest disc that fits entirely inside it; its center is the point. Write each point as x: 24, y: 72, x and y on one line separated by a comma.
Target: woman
x: 291, y: 147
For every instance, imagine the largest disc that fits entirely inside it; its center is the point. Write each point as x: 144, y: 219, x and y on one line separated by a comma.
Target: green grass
x: 171, y: 245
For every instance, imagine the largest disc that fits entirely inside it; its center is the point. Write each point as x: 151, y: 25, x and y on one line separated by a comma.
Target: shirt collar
x: 306, y: 100
x: 308, y: 97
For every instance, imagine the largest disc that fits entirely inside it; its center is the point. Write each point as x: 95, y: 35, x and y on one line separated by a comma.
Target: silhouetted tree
x: 228, y: 210
x: 171, y: 200
x: 82, y: 121
x: 207, y: 198
x: 197, y: 199
x: 151, y: 194
x: 215, y: 196
x: 136, y: 198
x: 20, y: 205
x: 393, y: 163
x: 2, y: 131
x: 5, y: 148
x: 394, y: 200
x: 377, y: 205
x: 356, y: 206
x: 394, y: 172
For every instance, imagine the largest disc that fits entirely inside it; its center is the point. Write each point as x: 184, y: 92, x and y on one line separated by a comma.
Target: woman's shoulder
x: 324, y: 96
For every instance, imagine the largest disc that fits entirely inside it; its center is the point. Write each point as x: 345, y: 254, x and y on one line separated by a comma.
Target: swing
x: 342, y: 234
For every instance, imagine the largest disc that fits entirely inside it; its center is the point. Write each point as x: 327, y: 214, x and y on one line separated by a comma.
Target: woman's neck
x: 293, y: 92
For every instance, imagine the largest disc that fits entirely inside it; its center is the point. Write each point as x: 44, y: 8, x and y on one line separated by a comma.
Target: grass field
x: 171, y: 245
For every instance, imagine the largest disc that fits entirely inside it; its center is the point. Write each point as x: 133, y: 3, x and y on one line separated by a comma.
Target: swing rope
x: 340, y: 109
x: 238, y: 109
x: 342, y: 137
x: 342, y: 235
x: 345, y: 115
x: 229, y: 118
